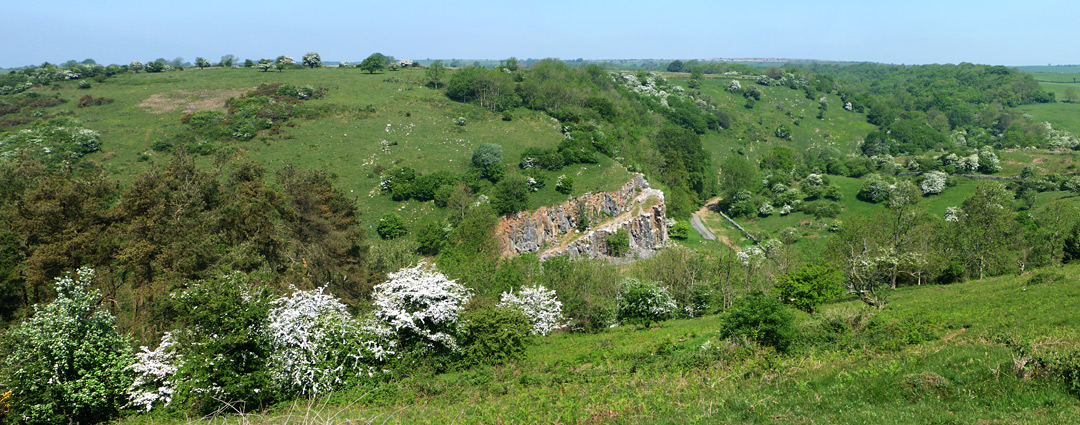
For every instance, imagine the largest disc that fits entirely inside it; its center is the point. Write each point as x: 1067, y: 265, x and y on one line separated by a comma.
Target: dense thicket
x: 172, y: 225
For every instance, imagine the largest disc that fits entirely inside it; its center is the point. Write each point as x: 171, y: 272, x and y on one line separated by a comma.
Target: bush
x: 618, y: 243
x: 224, y: 345
x: 564, y: 184
x: 317, y: 346
x: 487, y: 155
x: 67, y: 363
x: 762, y: 319
x: 495, y: 335
x: 510, y: 195
x: 391, y: 226
x: 421, y: 306
x: 680, y: 231
x: 539, y: 304
x: 588, y: 290
x: 644, y: 302
x: 431, y: 236
x: 810, y: 286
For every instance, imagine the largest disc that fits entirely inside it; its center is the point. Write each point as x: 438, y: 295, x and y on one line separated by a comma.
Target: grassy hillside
x: 364, y: 122
x: 936, y: 354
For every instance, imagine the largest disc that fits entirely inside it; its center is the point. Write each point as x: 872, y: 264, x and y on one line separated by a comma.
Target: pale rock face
x: 630, y: 207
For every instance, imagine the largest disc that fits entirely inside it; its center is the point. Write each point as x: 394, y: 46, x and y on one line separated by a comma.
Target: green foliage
x: 680, y: 231
x: 810, y: 286
x: 618, y: 243
x: 760, y: 318
x: 431, y: 236
x: 486, y: 155
x: 391, y: 226
x: 495, y: 335
x: 564, y: 185
x: 56, y: 141
x: 510, y: 195
x: 644, y: 302
x: 587, y: 289
x: 223, y: 344
x: 67, y: 363
x: 375, y: 62
x: 435, y: 72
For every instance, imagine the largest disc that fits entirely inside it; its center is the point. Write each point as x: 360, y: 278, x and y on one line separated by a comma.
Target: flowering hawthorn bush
x: 644, y: 302
x: 55, y: 141
x: 66, y: 363
x: 539, y: 304
x: 421, y: 306
x: 316, y: 346
x: 933, y: 182
x: 155, y: 380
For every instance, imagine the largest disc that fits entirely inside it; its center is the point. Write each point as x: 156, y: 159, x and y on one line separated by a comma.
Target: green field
x: 683, y: 372
x: 1063, y: 116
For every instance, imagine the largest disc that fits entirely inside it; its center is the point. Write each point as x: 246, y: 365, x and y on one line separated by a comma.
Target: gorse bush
x: 66, y: 364
x: 644, y: 302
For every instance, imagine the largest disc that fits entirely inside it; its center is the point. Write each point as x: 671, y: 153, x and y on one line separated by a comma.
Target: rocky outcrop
x: 553, y: 230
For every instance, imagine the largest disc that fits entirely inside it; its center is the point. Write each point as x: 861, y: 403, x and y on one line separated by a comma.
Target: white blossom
x: 933, y: 182
x: 539, y: 304
x: 421, y: 305
x: 953, y: 214
x: 155, y: 380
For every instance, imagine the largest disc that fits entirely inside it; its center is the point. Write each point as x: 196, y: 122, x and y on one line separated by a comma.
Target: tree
x: 618, y: 243
x: 265, y: 64
x: 1054, y: 221
x: 675, y: 66
x: 810, y: 286
x: 312, y: 60
x: 201, y: 62
x: 1070, y: 95
x: 986, y: 228
x: 227, y: 61
x: 67, y: 363
x: 283, y: 62
x: 737, y: 173
x: 155, y: 66
x: 539, y: 304
x: 375, y: 62
x: 435, y: 72
x: 135, y: 66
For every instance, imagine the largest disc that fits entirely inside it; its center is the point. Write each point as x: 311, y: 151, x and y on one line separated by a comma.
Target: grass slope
x: 945, y: 334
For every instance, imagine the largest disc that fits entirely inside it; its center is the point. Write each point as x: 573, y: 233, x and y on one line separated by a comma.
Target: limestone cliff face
x: 552, y: 230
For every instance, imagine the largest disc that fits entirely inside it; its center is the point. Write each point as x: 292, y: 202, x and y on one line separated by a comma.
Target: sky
x: 1013, y: 33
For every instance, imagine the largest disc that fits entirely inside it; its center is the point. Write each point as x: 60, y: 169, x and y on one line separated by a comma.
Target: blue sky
x: 1034, y: 32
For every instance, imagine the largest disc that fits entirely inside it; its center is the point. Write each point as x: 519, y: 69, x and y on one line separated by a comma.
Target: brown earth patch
x: 189, y: 101
x: 1038, y: 160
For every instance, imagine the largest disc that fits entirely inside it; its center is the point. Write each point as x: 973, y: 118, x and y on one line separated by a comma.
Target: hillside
x: 935, y: 354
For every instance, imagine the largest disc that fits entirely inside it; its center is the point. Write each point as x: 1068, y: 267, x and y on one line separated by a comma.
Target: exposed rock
x: 635, y: 207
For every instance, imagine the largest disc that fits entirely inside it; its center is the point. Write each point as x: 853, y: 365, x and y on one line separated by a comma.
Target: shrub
x: 618, y: 243
x: 155, y: 380
x: 224, y: 345
x: 588, y: 290
x: 317, y: 346
x: 391, y: 226
x: 539, y: 304
x: 564, y: 184
x: 431, y: 236
x: 644, y: 302
x: 810, y: 285
x: 680, y: 231
x: 421, y: 306
x: 67, y: 362
x: 486, y: 155
x: 495, y: 335
x: 762, y: 319
x: 510, y: 195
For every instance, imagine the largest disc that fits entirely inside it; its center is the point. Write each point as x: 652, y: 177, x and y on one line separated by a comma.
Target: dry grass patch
x: 189, y: 101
